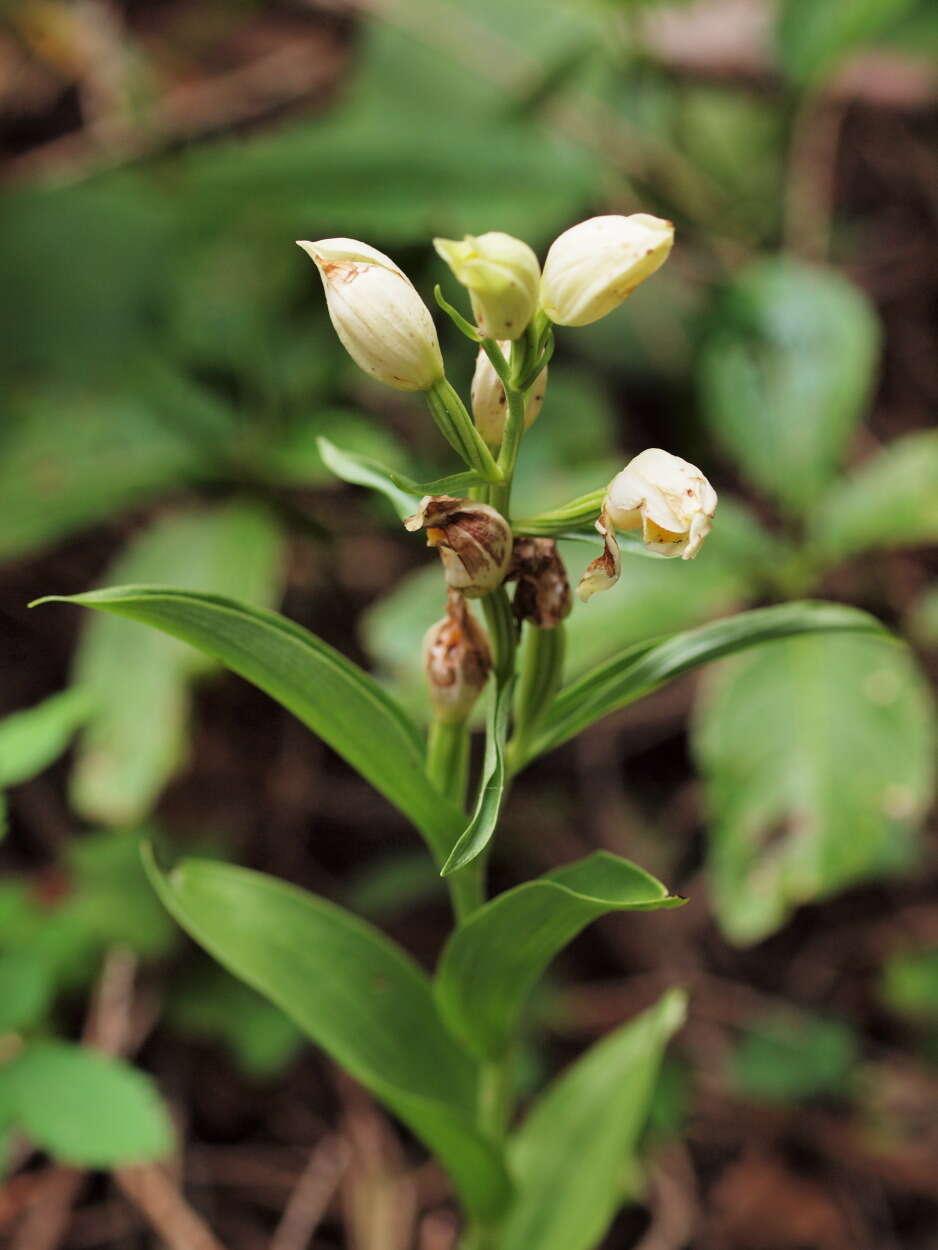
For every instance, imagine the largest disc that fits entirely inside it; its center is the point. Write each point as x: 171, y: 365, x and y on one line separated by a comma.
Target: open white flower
x: 490, y: 403
x: 594, y: 266
x: 380, y: 319
x: 501, y: 274
x: 667, y: 498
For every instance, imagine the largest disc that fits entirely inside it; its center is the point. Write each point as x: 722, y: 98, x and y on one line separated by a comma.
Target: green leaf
x: 327, y: 692
x: 817, y: 756
x: 890, y: 501
x: 647, y: 665
x: 355, y: 994
x: 575, y: 1149
x: 795, y: 1055
x: 814, y: 38
x: 481, y: 828
x: 33, y: 739
x: 909, y: 984
x: 85, y: 1108
x: 402, y: 492
x: 138, y: 736
x: 70, y: 457
x: 492, y: 961
x: 785, y: 372
x: 26, y: 988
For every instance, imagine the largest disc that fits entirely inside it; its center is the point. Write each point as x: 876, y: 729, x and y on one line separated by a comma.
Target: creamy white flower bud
x: 501, y: 274
x: 594, y: 266
x: 667, y: 498
x: 380, y: 319
x: 456, y: 661
x: 474, y: 541
x: 490, y: 403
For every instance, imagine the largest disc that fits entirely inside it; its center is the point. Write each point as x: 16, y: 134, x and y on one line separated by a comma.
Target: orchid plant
x: 441, y: 1051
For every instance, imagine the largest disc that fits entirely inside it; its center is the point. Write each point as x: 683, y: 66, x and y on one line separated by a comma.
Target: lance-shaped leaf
x: 644, y: 667
x: 491, y: 963
x: 32, y: 739
x: 356, y: 994
x: 402, y: 492
x: 481, y: 827
x: 327, y: 692
x: 573, y: 1153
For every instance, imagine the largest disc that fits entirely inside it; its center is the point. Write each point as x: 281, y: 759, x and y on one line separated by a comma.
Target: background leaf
x: 25, y: 990
x: 889, y: 501
x: 34, y: 738
x: 327, y: 692
x: 355, y: 994
x: 817, y: 756
x: 85, y: 1108
x: 573, y: 1153
x: 138, y: 735
x: 784, y: 373
x: 492, y: 961
x: 814, y: 38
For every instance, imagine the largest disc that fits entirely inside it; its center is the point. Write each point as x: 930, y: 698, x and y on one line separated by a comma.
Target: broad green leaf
x: 355, y: 994
x: 785, y: 372
x: 25, y: 990
x: 793, y: 1055
x: 573, y: 1153
x: 85, y: 1108
x: 70, y: 457
x: 817, y: 756
x: 138, y: 735
x: 813, y: 39
x: 33, y: 739
x: 481, y: 828
x: 327, y: 692
x: 647, y: 665
x: 890, y: 501
x: 402, y: 492
x: 492, y: 961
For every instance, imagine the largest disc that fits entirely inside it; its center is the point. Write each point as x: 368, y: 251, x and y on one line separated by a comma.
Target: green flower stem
x: 448, y: 769
x: 542, y: 657
x: 502, y: 634
x: 456, y: 426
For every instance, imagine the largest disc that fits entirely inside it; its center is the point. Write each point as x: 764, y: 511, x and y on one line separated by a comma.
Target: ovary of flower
x: 596, y: 265
x: 490, y: 403
x: 667, y: 498
x: 380, y: 319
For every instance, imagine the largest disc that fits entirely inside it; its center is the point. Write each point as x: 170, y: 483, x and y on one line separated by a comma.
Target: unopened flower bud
x: 456, y: 660
x: 667, y: 498
x: 380, y: 319
x: 490, y: 403
x: 474, y: 541
x: 501, y: 274
x: 594, y: 266
x: 543, y: 594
